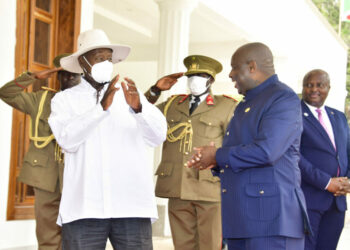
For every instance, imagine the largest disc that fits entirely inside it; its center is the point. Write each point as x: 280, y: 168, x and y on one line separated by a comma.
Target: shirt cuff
x: 328, y: 184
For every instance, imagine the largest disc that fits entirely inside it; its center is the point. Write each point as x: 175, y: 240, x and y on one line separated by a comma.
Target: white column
x: 174, y: 28
x: 87, y: 15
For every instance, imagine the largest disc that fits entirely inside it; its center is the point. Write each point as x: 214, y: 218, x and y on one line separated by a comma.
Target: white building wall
x: 13, y: 233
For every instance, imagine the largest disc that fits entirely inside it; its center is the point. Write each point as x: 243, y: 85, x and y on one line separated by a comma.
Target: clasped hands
x: 131, y: 94
x: 339, y: 186
x: 203, y: 158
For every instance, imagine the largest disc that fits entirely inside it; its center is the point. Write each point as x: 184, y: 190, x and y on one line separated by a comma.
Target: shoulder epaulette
x: 209, y: 100
x: 237, y: 99
x: 183, y: 99
x: 25, y: 72
x: 49, y: 89
x: 179, y: 95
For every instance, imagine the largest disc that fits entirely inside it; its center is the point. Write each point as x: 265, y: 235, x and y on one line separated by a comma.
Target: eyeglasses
x: 319, y: 85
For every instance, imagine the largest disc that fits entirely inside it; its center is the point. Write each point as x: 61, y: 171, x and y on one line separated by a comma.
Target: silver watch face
x: 152, y: 93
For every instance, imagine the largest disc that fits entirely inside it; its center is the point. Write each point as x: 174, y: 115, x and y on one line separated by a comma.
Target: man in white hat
x: 104, y: 132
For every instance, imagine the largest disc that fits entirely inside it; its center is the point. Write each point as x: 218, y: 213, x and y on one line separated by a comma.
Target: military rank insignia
x: 210, y: 100
x: 194, y: 66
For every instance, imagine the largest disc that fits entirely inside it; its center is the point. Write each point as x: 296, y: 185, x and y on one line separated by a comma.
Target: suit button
x: 224, y: 190
x: 222, y: 171
x: 161, y: 174
x: 226, y: 166
x: 228, y: 133
x: 261, y: 192
x: 209, y: 123
x: 189, y: 121
x: 172, y: 120
x: 35, y: 161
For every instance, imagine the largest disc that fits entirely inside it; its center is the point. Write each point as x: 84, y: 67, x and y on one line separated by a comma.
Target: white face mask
x: 101, y: 72
x: 197, y: 85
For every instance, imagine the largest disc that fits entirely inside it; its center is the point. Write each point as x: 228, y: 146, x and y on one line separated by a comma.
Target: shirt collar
x: 86, y: 86
x: 313, y: 109
x: 202, y: 98
x: 255, y: 91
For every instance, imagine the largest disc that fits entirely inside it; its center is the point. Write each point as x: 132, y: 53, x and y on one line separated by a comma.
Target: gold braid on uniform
x: 186, y: 133
x: 44, y: 139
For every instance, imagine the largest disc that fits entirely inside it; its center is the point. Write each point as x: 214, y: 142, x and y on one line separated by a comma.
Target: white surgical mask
x: 101, y: 72
x: 197, y: 85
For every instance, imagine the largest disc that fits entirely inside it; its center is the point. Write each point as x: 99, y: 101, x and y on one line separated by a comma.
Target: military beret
x: 202, y: 64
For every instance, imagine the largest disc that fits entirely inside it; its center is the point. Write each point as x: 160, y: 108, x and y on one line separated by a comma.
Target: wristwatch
x: 154, y: 91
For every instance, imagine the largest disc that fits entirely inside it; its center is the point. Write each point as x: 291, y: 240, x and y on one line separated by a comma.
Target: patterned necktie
x: 194, y: 104
x: 320, y: 119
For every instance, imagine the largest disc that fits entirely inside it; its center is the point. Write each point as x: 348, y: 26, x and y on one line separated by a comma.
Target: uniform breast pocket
x: 210, y: 127
x: 262, y: 201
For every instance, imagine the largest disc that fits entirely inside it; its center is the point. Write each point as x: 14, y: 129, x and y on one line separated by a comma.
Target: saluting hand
x: 44, y: 74
x: 131, y: 95
x: 166, y: 82
x: 107, y: 99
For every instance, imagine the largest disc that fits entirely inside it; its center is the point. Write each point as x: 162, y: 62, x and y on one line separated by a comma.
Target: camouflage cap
x: 202, y: 64
x: 56, y: 60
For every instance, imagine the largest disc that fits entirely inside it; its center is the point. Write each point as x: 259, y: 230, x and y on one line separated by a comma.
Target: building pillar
x: 87, y: 15
x: 174, y: 29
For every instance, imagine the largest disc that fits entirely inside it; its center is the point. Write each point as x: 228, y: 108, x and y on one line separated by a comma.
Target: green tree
x: 330, y: 9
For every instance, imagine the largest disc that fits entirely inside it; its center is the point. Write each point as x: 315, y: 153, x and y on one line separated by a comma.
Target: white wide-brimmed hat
x: 89, y: 40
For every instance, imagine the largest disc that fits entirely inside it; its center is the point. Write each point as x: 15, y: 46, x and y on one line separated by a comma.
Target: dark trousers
x: 266, y: 243
x: 326, y: 227
x: 92, y: 234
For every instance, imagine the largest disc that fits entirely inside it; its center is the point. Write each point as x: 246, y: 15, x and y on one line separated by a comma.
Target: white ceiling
x: 135, y: 22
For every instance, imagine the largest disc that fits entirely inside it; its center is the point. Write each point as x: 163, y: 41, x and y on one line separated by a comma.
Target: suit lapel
x: 310, y: 118
x: 334, y: 122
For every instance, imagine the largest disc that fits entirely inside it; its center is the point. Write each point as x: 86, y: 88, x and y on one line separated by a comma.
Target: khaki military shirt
x: 39, y: 168
x: 209, y: 121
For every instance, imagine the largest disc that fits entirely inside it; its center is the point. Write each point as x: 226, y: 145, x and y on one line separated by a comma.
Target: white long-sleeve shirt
x: 107, y: 173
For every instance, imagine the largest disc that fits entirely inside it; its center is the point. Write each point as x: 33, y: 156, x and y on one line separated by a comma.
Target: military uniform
x: 194, y: 196
x: 42, y: 165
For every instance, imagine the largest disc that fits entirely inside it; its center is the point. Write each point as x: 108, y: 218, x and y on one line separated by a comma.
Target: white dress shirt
x: 327, y: 123
x: 107, y: 173
x: 202, y: 98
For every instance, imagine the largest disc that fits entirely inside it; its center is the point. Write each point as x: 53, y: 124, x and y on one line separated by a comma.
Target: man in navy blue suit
x: 263, y: 206
x: 324, y: 163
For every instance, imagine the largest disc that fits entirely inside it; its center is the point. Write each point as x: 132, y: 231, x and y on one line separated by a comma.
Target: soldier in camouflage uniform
x: 42, y: 166
x: 197, y: 119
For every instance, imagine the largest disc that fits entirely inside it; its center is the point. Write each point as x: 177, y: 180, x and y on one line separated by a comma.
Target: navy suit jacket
x: 258, y: 165
x: 319, y: 160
